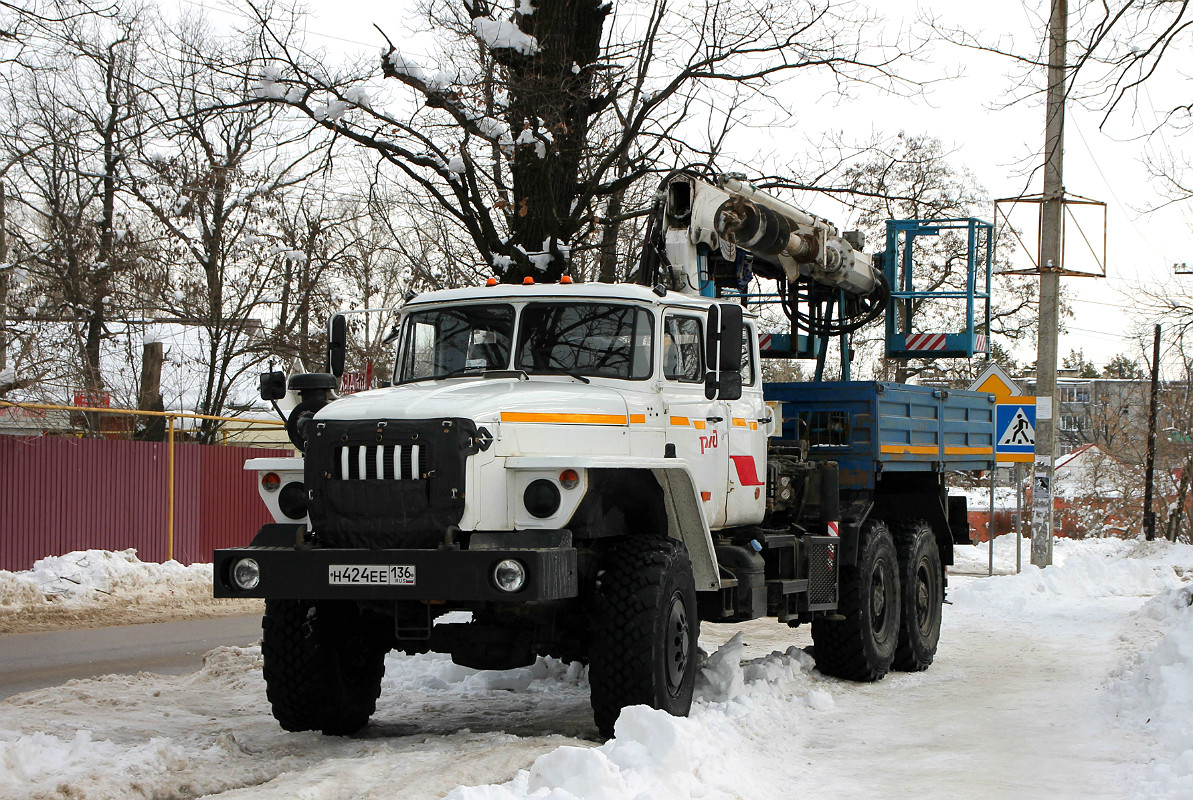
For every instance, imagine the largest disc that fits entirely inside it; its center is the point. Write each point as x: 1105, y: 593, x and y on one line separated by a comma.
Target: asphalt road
x: 36, y: 660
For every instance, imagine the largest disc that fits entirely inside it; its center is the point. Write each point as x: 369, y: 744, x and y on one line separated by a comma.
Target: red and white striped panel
x: 764, y: 341
x: 979, y: 344
x: 925, y: 341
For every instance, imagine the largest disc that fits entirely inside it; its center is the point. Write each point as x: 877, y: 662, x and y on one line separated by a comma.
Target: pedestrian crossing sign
x: 1015, y: 429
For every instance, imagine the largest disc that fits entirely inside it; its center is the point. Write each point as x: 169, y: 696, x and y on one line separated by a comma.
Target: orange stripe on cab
x: 567, y: 419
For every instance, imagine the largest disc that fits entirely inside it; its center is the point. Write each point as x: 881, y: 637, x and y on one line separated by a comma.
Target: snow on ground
x: 100, y: 587
x: 1072, y: 681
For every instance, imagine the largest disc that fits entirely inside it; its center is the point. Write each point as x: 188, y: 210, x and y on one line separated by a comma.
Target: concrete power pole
x: 1051, y: 247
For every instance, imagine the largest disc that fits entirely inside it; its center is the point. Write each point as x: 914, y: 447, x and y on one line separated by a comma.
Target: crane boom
x: 728, y: 213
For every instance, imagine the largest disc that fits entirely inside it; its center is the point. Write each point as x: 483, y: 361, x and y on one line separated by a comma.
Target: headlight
x: 509, y: 575
x: 246, y: 573
x: 270, y: 481
x: 293, y: 500
x: 541, y: 498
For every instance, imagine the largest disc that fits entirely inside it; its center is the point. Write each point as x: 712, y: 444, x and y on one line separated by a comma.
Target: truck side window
x: 683, y: 347
x: 747, y: 356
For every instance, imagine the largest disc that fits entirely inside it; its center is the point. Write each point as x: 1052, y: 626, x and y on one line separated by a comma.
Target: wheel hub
x: 923, y: 598
x: 677, y: 643
x: 877, y: 598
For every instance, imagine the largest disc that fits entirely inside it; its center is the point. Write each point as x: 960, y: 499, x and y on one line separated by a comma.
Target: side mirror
x: 723, y: 352
x: 337, y: 344
x: 723, y: 385
x: 272, y: 386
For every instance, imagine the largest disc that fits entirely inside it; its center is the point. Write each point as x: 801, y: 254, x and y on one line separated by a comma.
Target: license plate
x: 370, y: 575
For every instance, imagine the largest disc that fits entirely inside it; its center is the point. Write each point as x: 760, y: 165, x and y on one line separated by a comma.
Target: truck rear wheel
x: 860, y: 644
x: 922, y: 587
x: 323, y: 665
x: 644, y: 631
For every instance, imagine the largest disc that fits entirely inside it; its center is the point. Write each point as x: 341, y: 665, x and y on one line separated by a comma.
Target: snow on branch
x: 502, y: 34
x: 405, y: 66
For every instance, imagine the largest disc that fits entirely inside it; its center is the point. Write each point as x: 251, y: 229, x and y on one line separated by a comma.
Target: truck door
x: 696, y: 426
x: 746, y: 498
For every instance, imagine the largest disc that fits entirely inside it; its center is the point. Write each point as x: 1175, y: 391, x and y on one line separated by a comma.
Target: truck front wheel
x: 644, y: 631
x: 920, y: 578
x: 859, y: 644
x: 323, y: 664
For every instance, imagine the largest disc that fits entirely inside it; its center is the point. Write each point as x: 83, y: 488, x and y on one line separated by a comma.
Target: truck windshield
x: 600, y: 339
x: 458, y: 340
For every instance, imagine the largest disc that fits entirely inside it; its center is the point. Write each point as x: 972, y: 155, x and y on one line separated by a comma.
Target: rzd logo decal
x: 708, y: 442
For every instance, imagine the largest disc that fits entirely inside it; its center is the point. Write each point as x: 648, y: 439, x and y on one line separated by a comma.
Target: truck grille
x: 380, y: 462
x: 387, y: 483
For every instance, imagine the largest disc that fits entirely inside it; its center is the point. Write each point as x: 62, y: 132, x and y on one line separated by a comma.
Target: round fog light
x: 541, y: 498
x: 246, y: 573
x: 509, y: 575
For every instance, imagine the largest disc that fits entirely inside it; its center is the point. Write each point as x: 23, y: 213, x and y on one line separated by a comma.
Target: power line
x: 242, y: 15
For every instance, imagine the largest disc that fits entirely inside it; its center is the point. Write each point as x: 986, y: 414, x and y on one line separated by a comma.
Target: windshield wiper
x: 473, y: 371
x: 569, y: 373
x: 455, y: 373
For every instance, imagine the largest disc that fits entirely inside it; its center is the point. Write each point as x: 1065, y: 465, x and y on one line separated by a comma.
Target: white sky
x: 993, y: 142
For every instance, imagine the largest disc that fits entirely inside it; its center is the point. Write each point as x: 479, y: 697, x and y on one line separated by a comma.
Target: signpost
x: 1014, y: 442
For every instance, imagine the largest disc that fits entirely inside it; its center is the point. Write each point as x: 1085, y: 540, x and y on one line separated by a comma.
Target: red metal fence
x: 64, y: 494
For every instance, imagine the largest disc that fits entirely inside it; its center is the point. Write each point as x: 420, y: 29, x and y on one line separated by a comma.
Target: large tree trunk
x: 553, y: 102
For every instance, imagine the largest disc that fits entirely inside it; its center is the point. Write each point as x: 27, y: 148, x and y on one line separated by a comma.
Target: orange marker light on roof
x: 528, y: 281
x: 566, y: 279
x: 491, y: 282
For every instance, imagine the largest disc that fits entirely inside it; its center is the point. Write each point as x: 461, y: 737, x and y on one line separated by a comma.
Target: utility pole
x: 1052, y: 210
x: 1149, y: 481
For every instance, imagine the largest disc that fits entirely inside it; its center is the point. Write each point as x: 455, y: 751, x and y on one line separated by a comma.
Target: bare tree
x: 535, y: 120
x: 72, y: 128
x: 1116, y: 50
x: 206, y: 170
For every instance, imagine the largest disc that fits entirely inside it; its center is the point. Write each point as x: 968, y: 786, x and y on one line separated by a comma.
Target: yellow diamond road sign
x: 997, y: 382
x: 1015, y: 435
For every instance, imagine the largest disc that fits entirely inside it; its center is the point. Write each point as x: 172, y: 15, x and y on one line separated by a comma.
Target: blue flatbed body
x: 871, y: 427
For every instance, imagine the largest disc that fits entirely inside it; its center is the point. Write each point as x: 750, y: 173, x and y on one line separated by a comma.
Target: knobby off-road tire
x: 861, y: 646
x: 323, y: 665
x: 644, y: 631
x: 922, y: 587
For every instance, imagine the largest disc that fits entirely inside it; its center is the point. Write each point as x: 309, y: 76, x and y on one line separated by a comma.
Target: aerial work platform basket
x: 943, y: 303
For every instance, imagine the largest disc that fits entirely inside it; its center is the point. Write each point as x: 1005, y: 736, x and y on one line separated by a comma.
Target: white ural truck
x: 591, y: 470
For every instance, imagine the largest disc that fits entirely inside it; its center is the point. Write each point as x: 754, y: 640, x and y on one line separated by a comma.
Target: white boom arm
x: 733, y: 213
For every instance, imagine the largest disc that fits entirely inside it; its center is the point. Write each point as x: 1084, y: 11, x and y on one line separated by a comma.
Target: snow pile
x: 975, y: 558
x: 717, y: 752
x: 430, y: 672
x: 1081, y: 571
x: 722, y: 676
x: 1155, y: 693
x: 100, y: 587
x: 85, y: 576
x: 159, y: 745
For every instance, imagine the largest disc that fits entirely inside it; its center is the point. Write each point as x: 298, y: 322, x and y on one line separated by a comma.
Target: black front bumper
x: 452, y: 575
